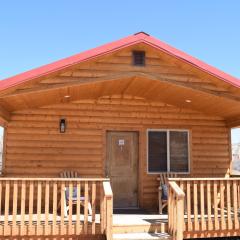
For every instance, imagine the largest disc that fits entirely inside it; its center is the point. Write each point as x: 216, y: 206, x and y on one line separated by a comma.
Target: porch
x: 197, y: 208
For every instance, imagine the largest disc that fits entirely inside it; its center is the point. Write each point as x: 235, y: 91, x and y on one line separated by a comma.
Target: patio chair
x: 163, y: 189
x: 73, y: 174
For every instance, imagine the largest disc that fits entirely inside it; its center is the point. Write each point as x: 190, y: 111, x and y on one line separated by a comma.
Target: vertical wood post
x: 108, y: 202
x: 109, y: 213
x: 180, y: 218
x: 176, y: 211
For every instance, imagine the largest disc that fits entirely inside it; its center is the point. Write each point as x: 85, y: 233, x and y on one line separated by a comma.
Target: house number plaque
x: 121, y: 142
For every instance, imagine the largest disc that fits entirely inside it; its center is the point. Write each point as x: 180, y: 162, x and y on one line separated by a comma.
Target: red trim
x: 111, y: 47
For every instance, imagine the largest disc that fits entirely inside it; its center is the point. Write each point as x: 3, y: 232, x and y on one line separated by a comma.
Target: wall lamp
x: 62, y: 125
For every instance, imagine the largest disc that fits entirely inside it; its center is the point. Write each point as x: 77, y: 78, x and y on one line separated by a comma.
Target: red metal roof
x: 140, y: 37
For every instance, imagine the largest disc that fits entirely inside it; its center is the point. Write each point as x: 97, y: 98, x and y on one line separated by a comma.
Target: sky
x: 33, y: 33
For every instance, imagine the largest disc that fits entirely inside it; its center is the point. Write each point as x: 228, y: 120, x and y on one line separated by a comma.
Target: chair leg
x: 160, y: 202
x: 65, y: 208
x: 65, y: 211
x: 164, y: 205
x: 160, y: 210
x: 89, y: 208
x: 185, y: 206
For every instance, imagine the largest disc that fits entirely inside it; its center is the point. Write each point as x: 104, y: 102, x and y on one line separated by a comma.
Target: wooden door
x: 122, y: 168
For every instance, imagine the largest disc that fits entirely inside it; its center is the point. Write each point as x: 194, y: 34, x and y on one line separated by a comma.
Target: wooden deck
x: 125, y: 226
x: 197, y: 208
x: 153, y: 222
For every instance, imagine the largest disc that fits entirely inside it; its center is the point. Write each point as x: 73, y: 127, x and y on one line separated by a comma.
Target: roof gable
x: 118, y: 65
x: 110, y: 48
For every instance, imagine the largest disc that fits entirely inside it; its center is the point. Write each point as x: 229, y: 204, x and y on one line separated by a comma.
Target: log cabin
x: 119, y: 115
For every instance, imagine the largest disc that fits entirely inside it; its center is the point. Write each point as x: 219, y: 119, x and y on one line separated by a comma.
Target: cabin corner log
x: 233, y: 123
x: 5, y: 115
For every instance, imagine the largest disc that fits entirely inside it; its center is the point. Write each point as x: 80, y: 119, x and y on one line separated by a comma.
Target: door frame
x: 139, y: 161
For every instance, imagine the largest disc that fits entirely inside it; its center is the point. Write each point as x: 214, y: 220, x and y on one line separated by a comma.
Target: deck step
x: 141, y: 236
x: 139, y: 223
x: 147, y: 228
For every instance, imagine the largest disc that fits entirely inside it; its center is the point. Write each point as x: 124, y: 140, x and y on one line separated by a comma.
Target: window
x: 138, y: 58
x: 168, y: 151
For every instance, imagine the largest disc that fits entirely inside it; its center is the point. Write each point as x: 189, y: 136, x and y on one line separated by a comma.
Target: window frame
x: 168, y: 149
x: 134, y: 52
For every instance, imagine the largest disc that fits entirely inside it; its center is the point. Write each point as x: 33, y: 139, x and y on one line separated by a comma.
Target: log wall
x: 34, y: 146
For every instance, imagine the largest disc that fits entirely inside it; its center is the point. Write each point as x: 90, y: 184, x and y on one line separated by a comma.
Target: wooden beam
x: 194, y: 86
x: 76, y: 81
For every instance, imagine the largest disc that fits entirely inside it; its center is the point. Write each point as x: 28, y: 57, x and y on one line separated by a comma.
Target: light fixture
x: 188, y: 101
x: 62, y: 125
x: 67, y: 96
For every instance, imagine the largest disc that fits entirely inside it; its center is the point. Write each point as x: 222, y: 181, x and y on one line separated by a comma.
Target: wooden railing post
x: 102, y: 210
x: 108, y: 202
x: 180, y: 218
x: 176, y: 211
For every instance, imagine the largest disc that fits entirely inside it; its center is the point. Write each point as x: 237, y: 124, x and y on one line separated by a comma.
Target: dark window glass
x: 157, y: 151
x: 139, y: 58
x: 178, y: 151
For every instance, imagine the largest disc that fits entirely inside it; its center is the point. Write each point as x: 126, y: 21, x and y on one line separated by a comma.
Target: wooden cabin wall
x: 34, y: 146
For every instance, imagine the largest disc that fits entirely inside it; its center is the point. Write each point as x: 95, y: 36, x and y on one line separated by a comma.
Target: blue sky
x: 33, y: 33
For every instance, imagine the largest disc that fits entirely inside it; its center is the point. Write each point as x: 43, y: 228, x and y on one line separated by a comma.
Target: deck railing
x: 55, y: 206
x: 211, y: 206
